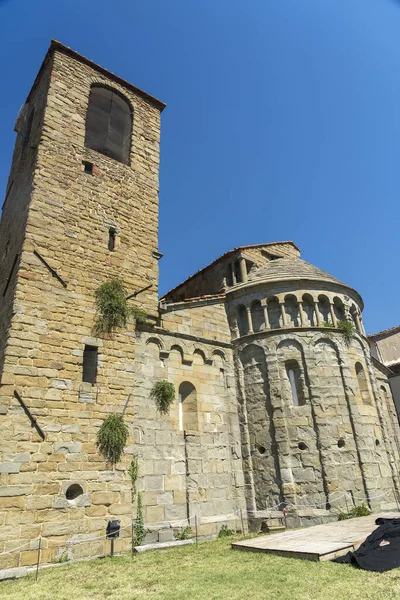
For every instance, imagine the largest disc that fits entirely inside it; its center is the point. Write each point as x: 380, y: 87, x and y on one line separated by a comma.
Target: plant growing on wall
x: 112, y: 308
x: 183, y: 534
x: 225, y: 532
x: 163, y: 394
x: 133, y: 474
x: 138, y: 529
x: 348, y: 329
x: 112, y: 437
x: 356, y: 511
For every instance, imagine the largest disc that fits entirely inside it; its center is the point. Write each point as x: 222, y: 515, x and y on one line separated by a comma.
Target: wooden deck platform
x: 317, y: 543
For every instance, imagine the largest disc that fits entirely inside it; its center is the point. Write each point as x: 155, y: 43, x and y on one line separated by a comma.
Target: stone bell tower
x: 81, y: 207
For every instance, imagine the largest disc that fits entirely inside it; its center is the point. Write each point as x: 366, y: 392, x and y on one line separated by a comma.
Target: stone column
x: 333, y: 316
x: 235, y: 326
x: 243, y: 270
x: 233, y: 273
x: 266, y: 317
x: 301, y: 313
x: 357, y: 320
x: 362, y: 325
x: 317, y: 313
x: 249, y: 319
x: 282, y: 305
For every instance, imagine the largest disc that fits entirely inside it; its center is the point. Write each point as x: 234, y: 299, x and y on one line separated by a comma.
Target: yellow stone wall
x: 61, y: 212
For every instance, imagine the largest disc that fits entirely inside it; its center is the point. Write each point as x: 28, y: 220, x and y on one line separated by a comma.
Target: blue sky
x: 282, y: 122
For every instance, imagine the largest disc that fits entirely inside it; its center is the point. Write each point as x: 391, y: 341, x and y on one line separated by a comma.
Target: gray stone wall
x: 337, y: 442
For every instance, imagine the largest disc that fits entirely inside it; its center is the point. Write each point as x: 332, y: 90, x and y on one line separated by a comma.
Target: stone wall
x: 338, y: 441
x: 64, y: 214
x: 192, y: 466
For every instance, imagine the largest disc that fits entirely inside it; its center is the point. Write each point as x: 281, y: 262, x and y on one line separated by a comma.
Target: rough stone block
x: 13, y: 573
x: 67, y: 447
x: 10, y: 467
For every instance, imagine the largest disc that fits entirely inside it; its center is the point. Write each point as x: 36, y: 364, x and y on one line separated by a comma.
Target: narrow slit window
x: 90, y: 355
x: 111, y: 239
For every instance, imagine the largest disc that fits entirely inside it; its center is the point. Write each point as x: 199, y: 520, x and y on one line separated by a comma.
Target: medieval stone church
x: 279, y: 402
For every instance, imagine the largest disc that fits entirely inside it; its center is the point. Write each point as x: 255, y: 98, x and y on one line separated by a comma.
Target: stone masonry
x: 275, y: 404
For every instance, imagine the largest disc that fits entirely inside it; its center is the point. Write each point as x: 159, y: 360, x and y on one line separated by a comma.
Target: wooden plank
x: 317, y: 543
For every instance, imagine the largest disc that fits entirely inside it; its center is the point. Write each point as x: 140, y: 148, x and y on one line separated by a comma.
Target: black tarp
x: 381, y: 550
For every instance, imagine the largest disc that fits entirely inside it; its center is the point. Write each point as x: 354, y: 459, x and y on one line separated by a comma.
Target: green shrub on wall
x: 356, y: 511
x: 112, y: 437
x: 163, y: 394
x: 112, y: 308
x: 348, y: 329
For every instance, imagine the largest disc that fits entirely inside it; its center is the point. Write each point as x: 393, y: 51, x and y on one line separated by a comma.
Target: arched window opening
x: 242, y: 320
x: 108, y: 124
x: 293, y: 372
x: 257, y: 316
x: 309, y: 310
x: 338, y: 307
x: 188, y: 417
x: 274, y: 313
x: 292, y: 311
x: 237, y: 271
x: 363, y: 384
x: 324, y: 309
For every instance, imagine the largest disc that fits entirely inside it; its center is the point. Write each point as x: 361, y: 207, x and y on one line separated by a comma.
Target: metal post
x: 197, y: 534
x: 112, y: 547
x: 396, y: 499
x: 38, y: 558
x: 241, y: 518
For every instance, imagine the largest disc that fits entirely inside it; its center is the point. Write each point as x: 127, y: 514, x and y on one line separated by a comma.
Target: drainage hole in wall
x: 377, y: 442
x: 73, y: 492
x: 302, y: 446
x: 261, y: 449
x: 341, y: 443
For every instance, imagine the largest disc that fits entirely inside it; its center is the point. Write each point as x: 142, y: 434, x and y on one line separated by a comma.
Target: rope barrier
x: 18, y: 548
x: 183, y: 522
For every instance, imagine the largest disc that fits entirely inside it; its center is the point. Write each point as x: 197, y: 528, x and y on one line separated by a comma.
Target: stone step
x: 162, y: 545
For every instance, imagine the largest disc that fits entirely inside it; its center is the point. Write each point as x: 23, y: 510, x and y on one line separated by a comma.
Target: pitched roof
x: 385, y: 332
x: 290, y: 268
x: 225, y: 255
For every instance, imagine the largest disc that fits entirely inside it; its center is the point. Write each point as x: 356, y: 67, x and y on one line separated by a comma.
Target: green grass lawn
x: 211, y: 572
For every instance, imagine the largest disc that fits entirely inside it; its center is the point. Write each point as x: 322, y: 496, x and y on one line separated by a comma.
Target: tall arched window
x: 257, y: 316
x: 363, y: 384
x: 242, y: 320
x: 108, y: 124
x: 309, y: 310
x: 274, y: 313
x: 294, y: 375
x: 188, y: 418
x: 324, y: 309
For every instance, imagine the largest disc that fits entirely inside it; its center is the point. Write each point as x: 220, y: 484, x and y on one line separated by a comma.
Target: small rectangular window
x: 111, y: 239
x: 87, y: 167
x: 90, y: 364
